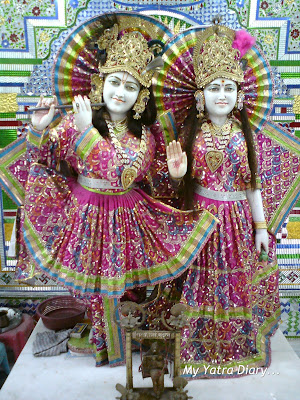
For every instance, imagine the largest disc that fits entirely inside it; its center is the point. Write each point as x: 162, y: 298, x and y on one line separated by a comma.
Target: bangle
x: 87, y: 127
x: 34, y: 128
x: 260, y: 225
x: 176, y: 182
x: 176, y: 179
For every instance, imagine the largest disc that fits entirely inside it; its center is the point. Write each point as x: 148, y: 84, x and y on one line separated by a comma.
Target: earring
x: 141, y: 102
x: 96, y: 92
x: 200, y: 101
x: 240, y: 100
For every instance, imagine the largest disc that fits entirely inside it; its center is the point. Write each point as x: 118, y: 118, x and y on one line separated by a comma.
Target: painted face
x: 120, y: 92
x: 220, y: 97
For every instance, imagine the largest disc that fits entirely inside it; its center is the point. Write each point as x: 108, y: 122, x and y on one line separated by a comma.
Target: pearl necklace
x: 129, y: 173
x: 214, y: 150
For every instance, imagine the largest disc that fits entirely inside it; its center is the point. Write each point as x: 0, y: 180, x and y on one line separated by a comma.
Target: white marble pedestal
x: 66, y: 377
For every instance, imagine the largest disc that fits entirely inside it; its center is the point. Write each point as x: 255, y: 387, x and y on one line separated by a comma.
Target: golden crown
x: 214, y: 57
x: 130, y: 53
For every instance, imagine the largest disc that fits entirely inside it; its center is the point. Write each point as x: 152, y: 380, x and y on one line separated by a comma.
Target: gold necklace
x: 217, y: 130
x: 214, y: 155
x: 129, y: 173
x: 120, y: 127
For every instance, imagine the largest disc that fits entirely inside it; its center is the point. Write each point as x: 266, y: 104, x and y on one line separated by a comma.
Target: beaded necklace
x: 129, y: 173
x: 215, y: 150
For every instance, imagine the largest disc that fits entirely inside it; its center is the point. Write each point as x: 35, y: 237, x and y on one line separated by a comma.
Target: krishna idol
x: 85, y: 222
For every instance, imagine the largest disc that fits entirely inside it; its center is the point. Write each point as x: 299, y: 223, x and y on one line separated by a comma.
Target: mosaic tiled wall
x: 32, y: 31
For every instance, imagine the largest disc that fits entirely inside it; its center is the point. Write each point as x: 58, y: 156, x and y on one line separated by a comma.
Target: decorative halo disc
x: 75, y: 64
x: 175, y: 85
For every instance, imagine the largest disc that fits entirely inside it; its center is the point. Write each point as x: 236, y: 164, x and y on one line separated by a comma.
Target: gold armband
x: 177, y: 182
x: 260, y: 225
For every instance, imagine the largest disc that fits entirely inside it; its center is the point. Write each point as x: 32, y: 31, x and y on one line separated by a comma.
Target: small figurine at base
x: 154, y: 361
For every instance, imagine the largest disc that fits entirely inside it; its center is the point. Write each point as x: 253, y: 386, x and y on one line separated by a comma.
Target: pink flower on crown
x: 243, y: 42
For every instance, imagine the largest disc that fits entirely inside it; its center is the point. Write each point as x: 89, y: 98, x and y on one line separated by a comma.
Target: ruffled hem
x: 93, y: 243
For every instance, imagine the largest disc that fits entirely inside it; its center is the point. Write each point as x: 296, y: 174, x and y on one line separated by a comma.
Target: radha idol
x: 93, y: 229
x: 232, y: 289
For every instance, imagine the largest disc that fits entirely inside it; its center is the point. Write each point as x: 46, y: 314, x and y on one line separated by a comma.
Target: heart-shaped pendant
x: 214, y: 159
x: 128, y: 176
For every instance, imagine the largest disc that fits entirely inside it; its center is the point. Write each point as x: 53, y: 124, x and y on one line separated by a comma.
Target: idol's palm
x: 177, y: 160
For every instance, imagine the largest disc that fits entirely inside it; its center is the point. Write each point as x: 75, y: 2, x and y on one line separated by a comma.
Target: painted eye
x: 213, y: 89
x: 114, y: 82
x: 131, y: 88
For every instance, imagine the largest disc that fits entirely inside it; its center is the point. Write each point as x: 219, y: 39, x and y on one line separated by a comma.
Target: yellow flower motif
x: 296, y: 105
x: 2, y: 21
x: 289, y: 2
x: 5, y: 2
x: 44, y: 37
x: 269, y: 39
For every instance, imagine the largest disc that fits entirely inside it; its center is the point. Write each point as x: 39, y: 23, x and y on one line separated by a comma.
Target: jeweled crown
x: 214, y: 57
x: 129, y: 53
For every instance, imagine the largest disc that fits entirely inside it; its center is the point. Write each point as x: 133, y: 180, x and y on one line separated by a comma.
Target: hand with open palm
x: 177, y: 160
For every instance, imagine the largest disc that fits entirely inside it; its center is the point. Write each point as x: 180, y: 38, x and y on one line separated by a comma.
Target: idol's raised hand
x: 41, y: 119
x: 177, y: 161
x: 83, y: 112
